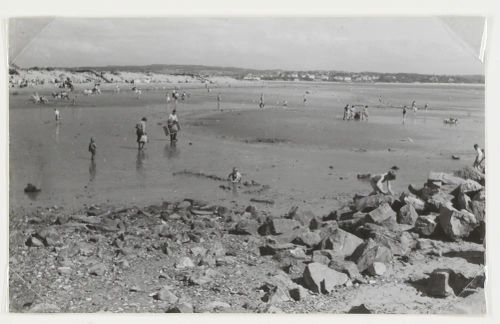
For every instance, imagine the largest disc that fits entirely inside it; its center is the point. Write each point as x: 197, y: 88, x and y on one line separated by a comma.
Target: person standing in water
x: 173, y: 126
x: 219, y: 99
x: 92, y: 148
x: 404, y: 114
x: 364, y: 113
x: 414, y: 106
x: 346, y: 112
x: 378, y: 180
x: 426, y: 107
x: 478, y: 161
x: 57, y: 115
x: 304, y: 99
x: 143, y: 140
x: 261, y: 103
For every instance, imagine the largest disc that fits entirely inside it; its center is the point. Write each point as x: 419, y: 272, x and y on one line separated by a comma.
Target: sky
x: 427, y: 45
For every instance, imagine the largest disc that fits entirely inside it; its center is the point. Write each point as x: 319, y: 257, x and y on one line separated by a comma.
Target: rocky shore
x: 420, y: 252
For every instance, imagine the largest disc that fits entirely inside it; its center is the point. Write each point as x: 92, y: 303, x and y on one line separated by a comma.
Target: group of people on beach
x: 352, y: 113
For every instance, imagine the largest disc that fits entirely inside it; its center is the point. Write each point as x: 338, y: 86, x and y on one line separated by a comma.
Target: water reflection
x: 170, y: 151
x: 58, y: 128
x: 92, y: 170
x: 139, y: 163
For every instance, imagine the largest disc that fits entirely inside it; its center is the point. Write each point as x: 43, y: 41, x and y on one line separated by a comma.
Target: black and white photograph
x: 251, y: 164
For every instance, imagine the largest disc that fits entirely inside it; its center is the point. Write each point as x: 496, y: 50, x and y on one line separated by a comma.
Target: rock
x: 438, y: 284
x: 341, y: 242
x: 34, y: 242
x: 438, y: 200
x: 246, y: 227
x: 283, y: 225
x: 469, y: 186
x: 407, y: 215
x: 298, y: 253
x: 382, y: 215
x: 463, y: 201
x: 275, y: 294
x: 348, y: 267
x: 376, y: 269
x: 457, y: 224
x: 478, y: 209
x: 165, y: 294
x: 217, y: 250
x: 298, y: 293
x: 369, y: 203
x: 480, y: 196
x: 322, y: 256
x: 426, y: 225
x: 225, y: 261
x: 123, y: 263
x: 183, y: 263
x: 398, y: 241
x: 320, y: 279
x: 417, y: 203
x: 64, y: 270
x: 44, y: 308
x: 216, y: 306
x: 304, y: 218
x: 181, y: 308
x: 309, y: 239
x: 360, y: 309
x: 198, y: 251
x: 185, y: 204
x: 31, y: 188
x: 86, y: 249
x: 368, y: 253
x: 98, y: 269
x: 449, y: 179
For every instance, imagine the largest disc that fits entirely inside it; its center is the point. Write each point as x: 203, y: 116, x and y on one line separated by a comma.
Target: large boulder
x: 309, y: 239
x: 398, y: 241
x: 348, y: 267
x: 341, y: 242
x: 438, y: 200
x: 417, y: 203
x: 469, y: 186
x: 426, y: 225
x: 246, y: 227
x: 370, y: 252
x: 305, y: 218
x: 478, y: 209
x: 407, y: 215
x: 382, y: 215
x: 457, y: 224
x: 369, y: 203
x: 283, y: 225
x: 463, y: 201
x: 438, y: 284
x: 470, y: 173
x: 321, y: 279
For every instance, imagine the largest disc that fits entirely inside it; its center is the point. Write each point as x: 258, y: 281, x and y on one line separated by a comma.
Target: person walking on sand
x: 173, y: 126
x: 378, y: 180
x: 404, y: 114
x: 478, y: 161
x: 346, y: 112
x: 364, y: 113
x: 219, y: 99
x: 261, y: 103
x: 92, y: 148
x: 57, y: 115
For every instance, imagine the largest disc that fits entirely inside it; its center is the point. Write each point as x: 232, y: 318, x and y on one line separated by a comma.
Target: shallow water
x: 54, y: 155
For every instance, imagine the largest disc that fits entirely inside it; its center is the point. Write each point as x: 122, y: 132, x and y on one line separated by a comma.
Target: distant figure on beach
x: 168, y: 98
x: 426, y: 107
x: 140, y: 129
x: 183, y: 96
x: 404, y: 114
x: 74, y: 100
x: 414, y: 106
x: 261, y: 102
x: 173, y: 126
x: 364, y: 113
x: 480, y: 157
x: 378, y: 180
x: 57, y: 115
x: 143, y: 140
x: 304, y: 99
x: 380, y: 99
x: 92, y: 148
x: 285, y: 103
x: 346, y: 112
x: 219, y: 99
x: 234, y: 177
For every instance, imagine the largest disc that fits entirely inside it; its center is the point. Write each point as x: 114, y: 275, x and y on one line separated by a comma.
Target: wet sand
x: 306, y: 155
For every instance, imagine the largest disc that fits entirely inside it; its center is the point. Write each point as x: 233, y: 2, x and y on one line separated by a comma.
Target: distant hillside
x: 278, y: 75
